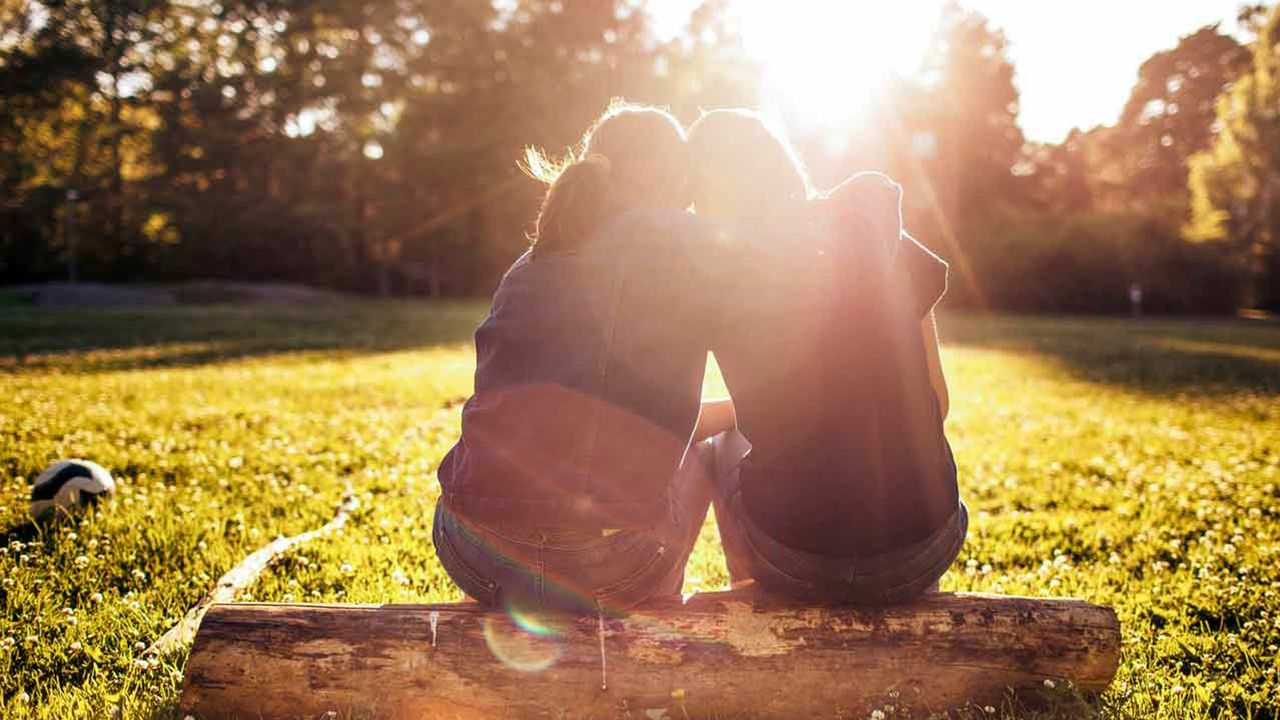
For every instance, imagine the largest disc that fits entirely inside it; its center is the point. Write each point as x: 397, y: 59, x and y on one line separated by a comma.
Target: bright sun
x: 824, y: 60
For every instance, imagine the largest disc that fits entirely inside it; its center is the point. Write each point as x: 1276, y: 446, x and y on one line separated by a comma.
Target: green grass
x: 1131, y: 463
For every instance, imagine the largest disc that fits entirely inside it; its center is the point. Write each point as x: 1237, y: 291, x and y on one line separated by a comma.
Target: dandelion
x: 140, y: 664
x: 877, y: 715
x: 82, y: 561
x: 347, y: 568
x: 139, y: 646
x: 989, y: 710
x: 1049, y: 683
x: 96, y: 597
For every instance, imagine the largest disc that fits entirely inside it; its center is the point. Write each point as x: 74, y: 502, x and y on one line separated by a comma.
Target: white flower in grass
x: 140, y: 664
x: 96, y: 597
x: 347, y: 568
x: 989, y: 710
x: 877, y: 715
x: 1049, y: 683
x: 82, y: 561
x: 76, y: 646
x: 23, y: 697
x: 139, y: 646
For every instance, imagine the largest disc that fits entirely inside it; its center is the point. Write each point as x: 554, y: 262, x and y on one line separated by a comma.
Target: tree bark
x: 719, y: 654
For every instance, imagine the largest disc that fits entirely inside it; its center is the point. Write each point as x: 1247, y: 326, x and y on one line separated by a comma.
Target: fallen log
x: 719, y: 654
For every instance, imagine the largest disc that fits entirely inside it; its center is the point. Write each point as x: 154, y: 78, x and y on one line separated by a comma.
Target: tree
x: 1235, y: 184
x: 1170, y: 113
x: 972, y: 111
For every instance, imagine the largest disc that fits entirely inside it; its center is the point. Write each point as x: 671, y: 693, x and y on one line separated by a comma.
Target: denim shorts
x: 844, y: 576
x: 531, y: 568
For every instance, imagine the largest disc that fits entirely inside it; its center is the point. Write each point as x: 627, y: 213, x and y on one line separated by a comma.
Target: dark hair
x: 632, y: 156
x: 745, y: 167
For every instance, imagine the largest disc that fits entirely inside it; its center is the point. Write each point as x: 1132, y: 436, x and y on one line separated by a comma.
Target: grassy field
x: 1132, y: 463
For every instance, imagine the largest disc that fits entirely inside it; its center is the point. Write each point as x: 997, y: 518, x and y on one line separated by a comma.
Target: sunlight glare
x: 824, y: 62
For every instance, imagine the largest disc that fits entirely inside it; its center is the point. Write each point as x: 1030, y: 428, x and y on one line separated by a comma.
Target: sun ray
x: 823, y: 63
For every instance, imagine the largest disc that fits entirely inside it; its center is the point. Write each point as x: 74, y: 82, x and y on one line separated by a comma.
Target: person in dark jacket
x: 564, y: 491
x: 839, y: 484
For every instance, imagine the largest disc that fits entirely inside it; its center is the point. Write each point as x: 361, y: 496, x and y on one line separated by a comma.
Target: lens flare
x: 523, y: 641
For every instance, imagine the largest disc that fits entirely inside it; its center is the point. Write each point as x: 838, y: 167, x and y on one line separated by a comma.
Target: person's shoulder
x: 914, y: 252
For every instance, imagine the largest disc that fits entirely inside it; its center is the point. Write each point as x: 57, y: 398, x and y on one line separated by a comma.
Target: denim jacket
x: 588, y: 380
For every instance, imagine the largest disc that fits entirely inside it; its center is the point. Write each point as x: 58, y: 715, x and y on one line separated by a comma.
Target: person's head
x: 632, y: 156
x: 744, y: 168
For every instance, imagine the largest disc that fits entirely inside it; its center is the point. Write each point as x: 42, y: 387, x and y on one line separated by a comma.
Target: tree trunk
x: 720, y: 654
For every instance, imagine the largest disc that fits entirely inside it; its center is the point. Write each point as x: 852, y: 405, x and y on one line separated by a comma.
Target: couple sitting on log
x: 588, y: 459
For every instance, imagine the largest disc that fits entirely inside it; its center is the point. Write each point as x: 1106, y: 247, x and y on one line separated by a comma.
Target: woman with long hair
x: 840, y: 485
x: 563, y: 492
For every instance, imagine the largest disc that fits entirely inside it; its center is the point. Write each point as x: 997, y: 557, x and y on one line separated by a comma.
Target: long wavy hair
x: 632, y: 156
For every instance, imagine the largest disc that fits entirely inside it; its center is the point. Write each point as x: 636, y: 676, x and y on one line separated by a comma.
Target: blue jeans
x: 843, y: 576
x: 545, y: 568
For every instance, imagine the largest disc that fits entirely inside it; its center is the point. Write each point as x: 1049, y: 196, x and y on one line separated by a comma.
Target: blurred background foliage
x: 370, y: 146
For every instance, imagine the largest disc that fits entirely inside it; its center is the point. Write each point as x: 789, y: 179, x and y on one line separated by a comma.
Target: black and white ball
x: 70, y: 485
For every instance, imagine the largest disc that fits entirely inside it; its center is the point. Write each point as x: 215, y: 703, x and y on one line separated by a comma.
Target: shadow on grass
x: 99, y: 340
x: 1156, y: 356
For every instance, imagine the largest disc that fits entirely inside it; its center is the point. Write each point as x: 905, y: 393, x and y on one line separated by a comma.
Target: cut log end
x: 719, y: 654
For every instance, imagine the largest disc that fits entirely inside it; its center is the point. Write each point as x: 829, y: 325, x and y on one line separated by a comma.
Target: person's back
x: 827, y: 368
x: 844, y: 486
x: 589, y: 368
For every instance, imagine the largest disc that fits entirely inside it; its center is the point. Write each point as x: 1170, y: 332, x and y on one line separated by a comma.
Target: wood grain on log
x: 719, y: 654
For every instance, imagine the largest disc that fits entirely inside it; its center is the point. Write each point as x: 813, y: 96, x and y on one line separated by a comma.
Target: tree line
x: 370, y: 145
